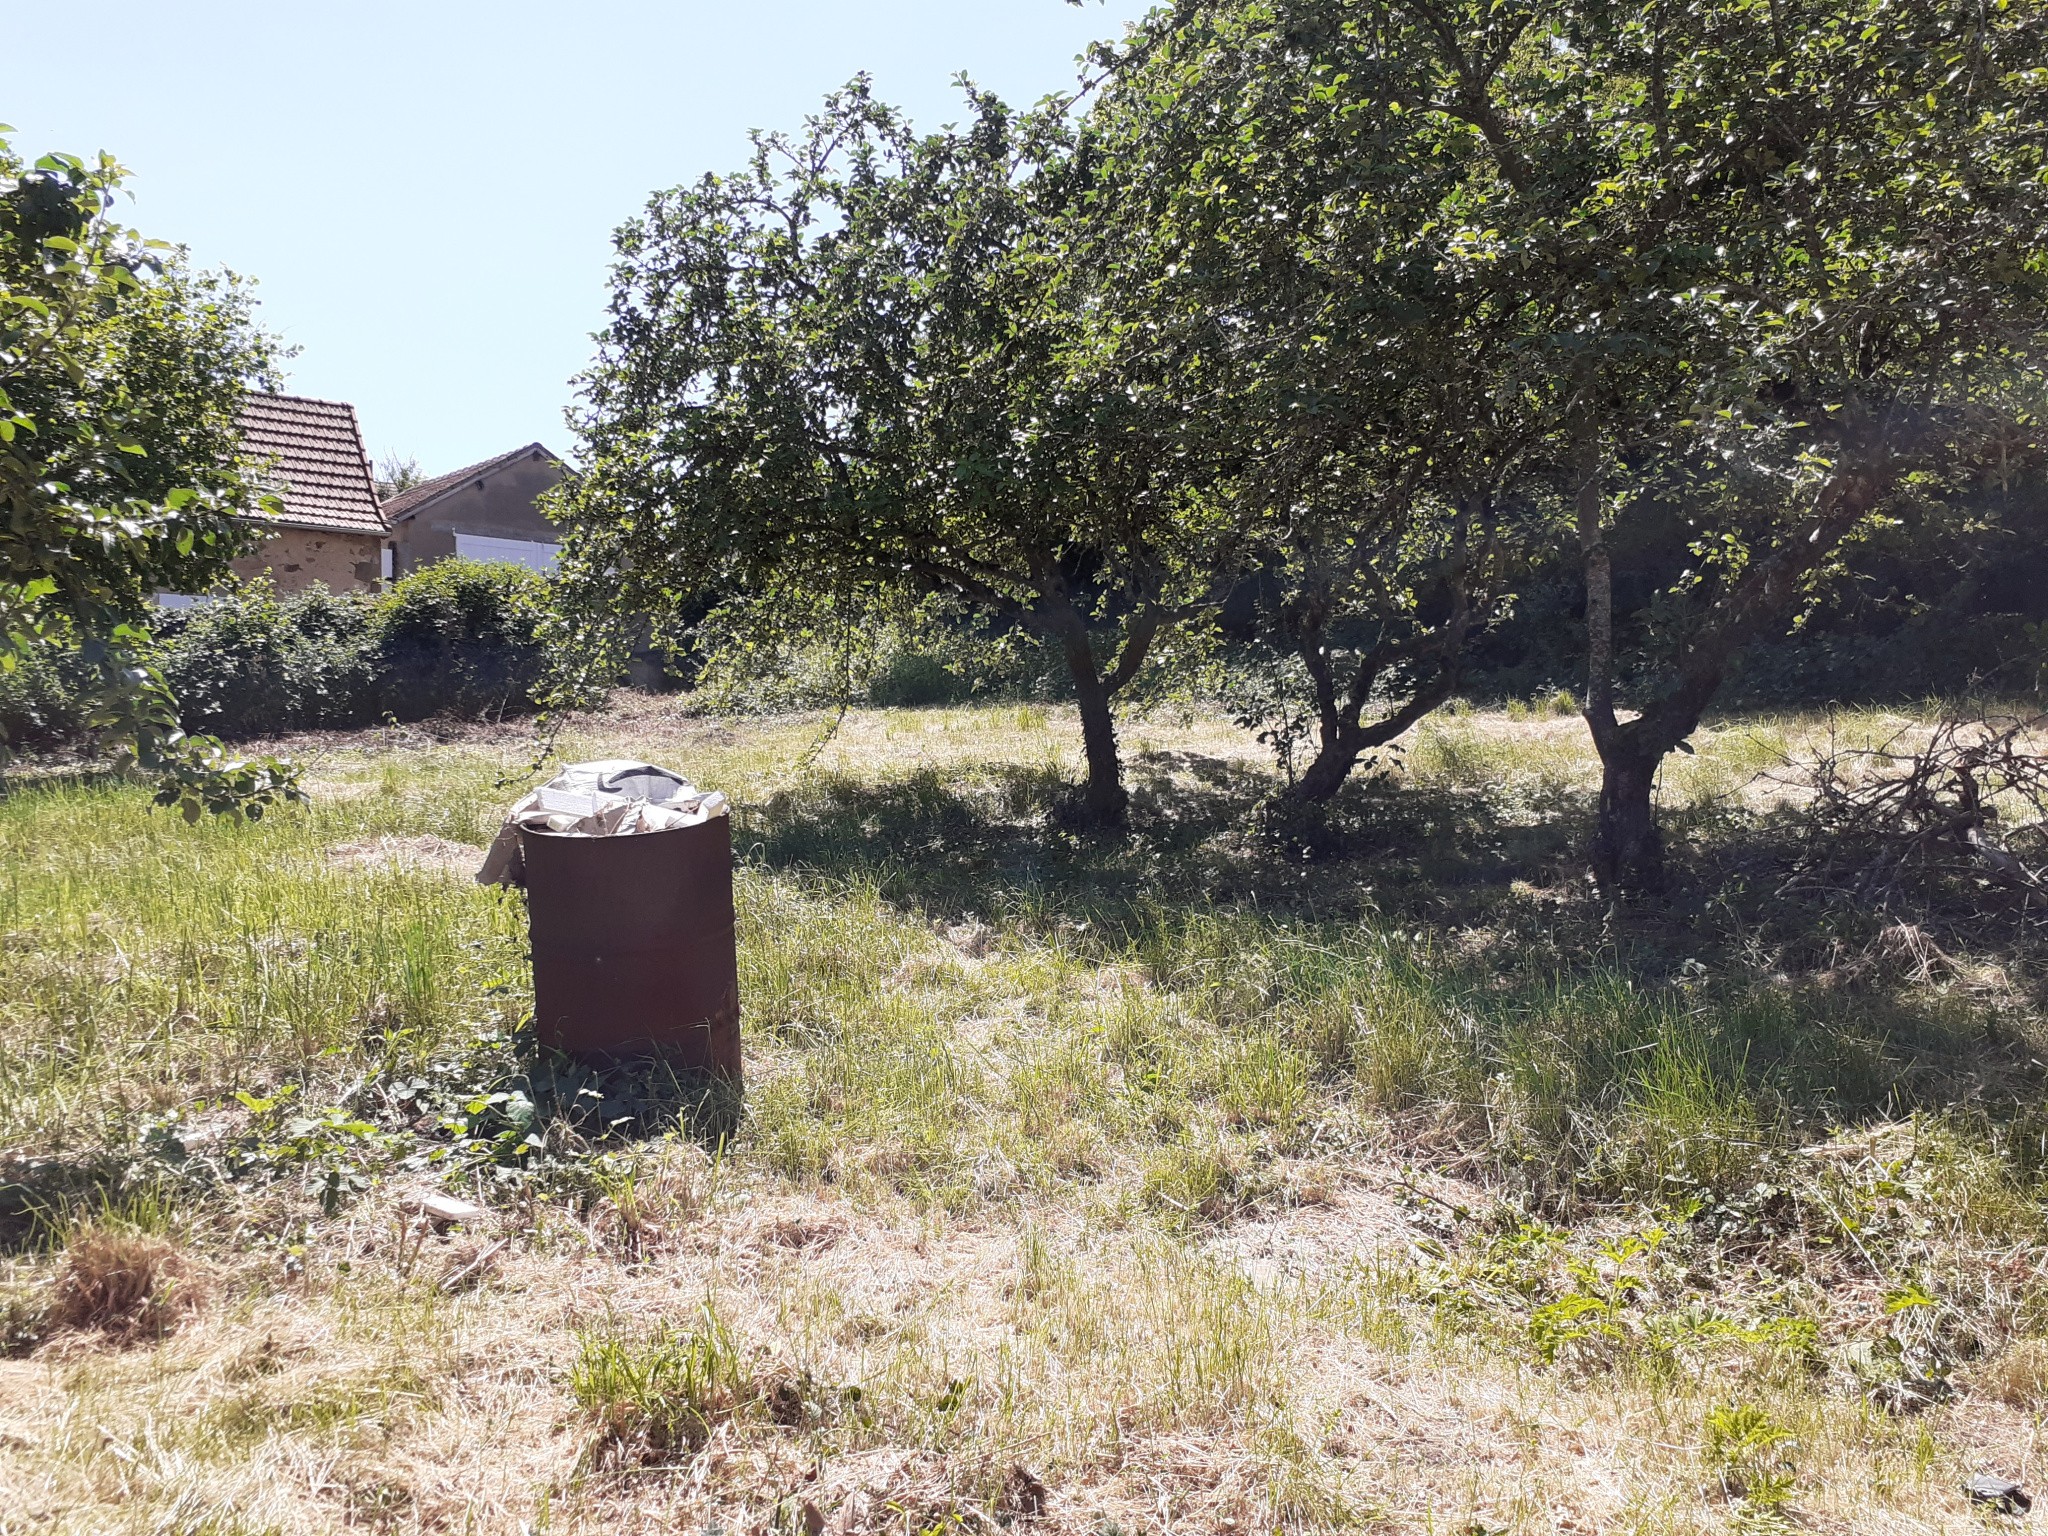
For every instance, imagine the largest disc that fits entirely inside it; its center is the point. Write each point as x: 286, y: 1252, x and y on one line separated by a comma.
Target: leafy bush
x: 921, y: 660
x: 44, y: 698
x: 455, y: 638
x: 915, y: 679
x: 460, y: 636
x: 253, y: 662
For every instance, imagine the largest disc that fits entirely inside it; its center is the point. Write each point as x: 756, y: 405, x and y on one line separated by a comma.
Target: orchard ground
x: 1173, y: 1182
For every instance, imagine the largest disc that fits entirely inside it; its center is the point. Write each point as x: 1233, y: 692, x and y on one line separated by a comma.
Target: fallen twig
x: 456, y: 1281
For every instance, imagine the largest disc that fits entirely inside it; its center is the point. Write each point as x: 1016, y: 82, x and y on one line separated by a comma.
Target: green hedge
x: 252, y: 662
x: 455, y: 638
x: 40, y: 699
x: 459, y: 637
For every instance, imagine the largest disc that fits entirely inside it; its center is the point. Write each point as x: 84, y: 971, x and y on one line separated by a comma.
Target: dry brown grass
x: 124, y: 1285
x: 2017, y: 1375
x: 1276, y: 1374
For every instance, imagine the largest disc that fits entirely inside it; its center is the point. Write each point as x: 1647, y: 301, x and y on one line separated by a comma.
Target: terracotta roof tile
x: 314, y: 453
x: 413, y: 497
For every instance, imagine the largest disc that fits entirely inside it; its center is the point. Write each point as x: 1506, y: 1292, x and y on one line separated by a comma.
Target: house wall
x: 500, y: 506
x: 296, y: 558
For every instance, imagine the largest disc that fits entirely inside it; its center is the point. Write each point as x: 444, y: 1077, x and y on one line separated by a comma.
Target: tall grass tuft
x: 664, y: 1390
x: 121, y: 1282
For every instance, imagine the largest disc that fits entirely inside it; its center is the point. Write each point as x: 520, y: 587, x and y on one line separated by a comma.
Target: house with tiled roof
x: 489, y: 511
x: 331, y: 529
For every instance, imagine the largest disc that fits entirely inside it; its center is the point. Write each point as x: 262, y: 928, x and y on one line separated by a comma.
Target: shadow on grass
x: 1728, y: 996
x: 631, y: 1098
x: 38, y: 776
x: 1202, y: 833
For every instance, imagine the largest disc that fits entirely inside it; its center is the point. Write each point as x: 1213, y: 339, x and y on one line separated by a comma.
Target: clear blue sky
x: 426, y: 191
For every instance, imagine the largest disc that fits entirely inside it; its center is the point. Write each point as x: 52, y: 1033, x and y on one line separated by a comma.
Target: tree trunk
x: 1344, y: 735
x: 1326, y: 775
x: 1628, y: 850
x: 1103, y: 797
x: 1344, y: 739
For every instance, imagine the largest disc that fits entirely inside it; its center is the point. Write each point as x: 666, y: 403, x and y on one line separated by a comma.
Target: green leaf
x: 1905, y: 1299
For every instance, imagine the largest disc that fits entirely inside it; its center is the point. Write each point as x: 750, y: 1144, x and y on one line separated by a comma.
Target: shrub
x: 915, y: 679
x: 252, y: 662
x: 460, y: 636
x: 42, y: 699
x: 457, y: 637
x: 920, y: 660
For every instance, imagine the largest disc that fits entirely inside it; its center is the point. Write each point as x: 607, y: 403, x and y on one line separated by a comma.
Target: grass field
x: 1168, y: 1183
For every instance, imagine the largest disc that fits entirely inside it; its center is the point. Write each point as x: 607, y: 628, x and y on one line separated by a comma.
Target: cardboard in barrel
x: 635, y: 952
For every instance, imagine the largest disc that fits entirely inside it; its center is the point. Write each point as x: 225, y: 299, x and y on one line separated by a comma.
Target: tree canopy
x: 864, y: 366
x: 1301, y: 240
x: 121, y: 471
x: 1359, y: 305
x: 1779, y: 265
x: 1839, y: 213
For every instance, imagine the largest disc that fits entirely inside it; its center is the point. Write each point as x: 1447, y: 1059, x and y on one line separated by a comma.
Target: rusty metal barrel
x: 635, y: 952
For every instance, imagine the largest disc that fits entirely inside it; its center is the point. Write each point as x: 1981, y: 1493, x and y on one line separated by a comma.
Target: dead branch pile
x: 1963, y: 815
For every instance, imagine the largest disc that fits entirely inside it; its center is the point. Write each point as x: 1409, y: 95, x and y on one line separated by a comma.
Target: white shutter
x: 529, y: 553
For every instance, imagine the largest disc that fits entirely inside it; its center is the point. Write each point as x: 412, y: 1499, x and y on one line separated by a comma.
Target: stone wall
x: 296, y: 558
